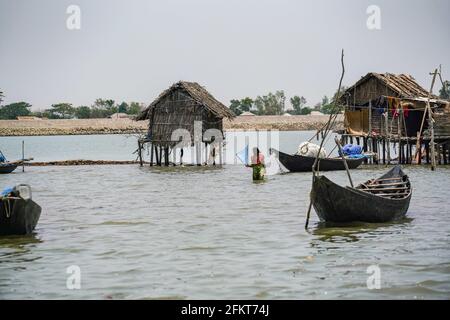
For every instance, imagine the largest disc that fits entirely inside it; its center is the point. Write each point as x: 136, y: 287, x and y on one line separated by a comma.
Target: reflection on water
x: 18, y: 248
x: 190, y: 232
x: 352, y: 232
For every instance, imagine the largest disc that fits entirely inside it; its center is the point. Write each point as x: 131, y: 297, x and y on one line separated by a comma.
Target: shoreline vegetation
x: 54, y: 127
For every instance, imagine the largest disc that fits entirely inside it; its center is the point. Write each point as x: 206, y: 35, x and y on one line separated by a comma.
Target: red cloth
x: 260, y: 159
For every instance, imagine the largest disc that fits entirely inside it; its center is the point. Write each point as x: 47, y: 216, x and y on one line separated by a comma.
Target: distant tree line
x: 102, y: 108
x: 274, y: 104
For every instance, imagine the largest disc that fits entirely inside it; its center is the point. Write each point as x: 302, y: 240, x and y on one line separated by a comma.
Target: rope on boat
x: 7, y: 205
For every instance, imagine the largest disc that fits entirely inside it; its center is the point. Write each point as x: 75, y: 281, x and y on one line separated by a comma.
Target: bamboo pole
x: 369, y: 142
x: 329, y: 122
x: 431, y: 123
x: 23, y: 156
x: 151, y: 156
x: 345, y: 161
x: 140, y: 153
x: 388, y: 138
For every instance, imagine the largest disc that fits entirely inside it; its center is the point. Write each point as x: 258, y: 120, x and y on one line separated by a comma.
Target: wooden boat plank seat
x: 387, y: 189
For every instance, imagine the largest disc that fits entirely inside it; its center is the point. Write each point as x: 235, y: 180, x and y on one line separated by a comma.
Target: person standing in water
x: 257, y: 163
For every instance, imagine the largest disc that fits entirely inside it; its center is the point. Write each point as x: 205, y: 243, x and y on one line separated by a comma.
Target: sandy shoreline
x: 127, y: 126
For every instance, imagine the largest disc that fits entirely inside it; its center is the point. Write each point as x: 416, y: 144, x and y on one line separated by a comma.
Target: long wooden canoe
x: 381, y: 200
x: 298, y: 163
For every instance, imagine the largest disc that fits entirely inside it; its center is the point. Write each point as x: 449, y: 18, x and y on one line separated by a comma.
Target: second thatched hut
x: 185, y: 115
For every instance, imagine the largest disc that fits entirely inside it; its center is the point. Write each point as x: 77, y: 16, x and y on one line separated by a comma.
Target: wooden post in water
x: 140, y: 152
x: 151, y: 155
x: 23, y: 156
x: 419, y: 159
x: 444, y: 153
x: 386, y: 128
x: 369, y: 137
x: 166, y: 156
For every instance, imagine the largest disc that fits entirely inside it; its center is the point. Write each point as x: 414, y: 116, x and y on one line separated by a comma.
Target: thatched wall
x: 367, y: 91
x: 370, y: 88
x: 177, y: 110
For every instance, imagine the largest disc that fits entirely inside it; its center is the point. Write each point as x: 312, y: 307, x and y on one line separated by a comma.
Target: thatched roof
x: 403, y: 84
x: 197, y: 93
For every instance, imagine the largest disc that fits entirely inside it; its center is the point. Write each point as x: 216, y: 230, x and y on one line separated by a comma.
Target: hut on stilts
x: 387, y: 115
x: 185, y: 116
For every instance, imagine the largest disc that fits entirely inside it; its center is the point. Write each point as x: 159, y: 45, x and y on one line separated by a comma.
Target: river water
x: 211, y: 233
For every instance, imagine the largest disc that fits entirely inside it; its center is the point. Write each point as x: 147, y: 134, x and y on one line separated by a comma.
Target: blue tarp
x: 350, y: 149
x: 243, y: 155
x: 6, y: 191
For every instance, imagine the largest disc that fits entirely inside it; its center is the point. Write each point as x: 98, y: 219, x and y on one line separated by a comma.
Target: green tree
x: 83, y: 112
x: 235, y: 106
x: 246, y: 104
x: 110, y: 107
x: 297, y: 104
x: 444, y: 92
x: 103, y: 108
x: 270, y: 104
x: 305, y: 111
x: 14, y: 110
x: 123, y: 107
x: 240, y: 106
x: 134, y: 108
x: 328, y: 109
x: 61, y: 111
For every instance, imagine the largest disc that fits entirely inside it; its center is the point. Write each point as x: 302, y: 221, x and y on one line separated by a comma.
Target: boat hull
x: 298, y: 163
x: 7, y: 168
x: 337, y: 204
x: 18, y: 216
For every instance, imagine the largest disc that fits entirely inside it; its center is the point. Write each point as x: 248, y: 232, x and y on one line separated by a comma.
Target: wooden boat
x: 298, y: 163
x: 8, y: 167
x: 381, y: 200
x: 19, y: 214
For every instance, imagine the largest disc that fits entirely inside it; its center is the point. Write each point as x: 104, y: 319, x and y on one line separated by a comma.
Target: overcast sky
x: 132, y: 50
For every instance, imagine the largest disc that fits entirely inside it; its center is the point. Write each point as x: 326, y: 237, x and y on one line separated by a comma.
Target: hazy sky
x: 132, y: 50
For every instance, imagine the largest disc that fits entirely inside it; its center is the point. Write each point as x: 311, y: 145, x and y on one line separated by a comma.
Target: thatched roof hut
x: 183, y: 107
x: 385, y: 93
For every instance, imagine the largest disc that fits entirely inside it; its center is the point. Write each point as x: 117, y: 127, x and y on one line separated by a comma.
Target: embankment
x: 46, y: 127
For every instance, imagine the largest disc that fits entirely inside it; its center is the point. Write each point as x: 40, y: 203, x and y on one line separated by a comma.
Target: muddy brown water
x: 151, y: 233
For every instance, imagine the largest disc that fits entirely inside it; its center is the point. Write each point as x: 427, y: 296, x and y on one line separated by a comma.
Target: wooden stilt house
x: 383, y: 111
x: 184, y: 116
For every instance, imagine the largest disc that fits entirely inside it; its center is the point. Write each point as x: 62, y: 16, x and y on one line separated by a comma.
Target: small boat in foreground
x: 19, y: 214
x: 8, y: 167
x: 298, y: 163
x: 380, y: 200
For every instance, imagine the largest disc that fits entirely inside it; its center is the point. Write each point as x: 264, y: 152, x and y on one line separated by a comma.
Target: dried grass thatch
x: 374, y: 85
x: 179, y: 108
x: 197, y: 93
